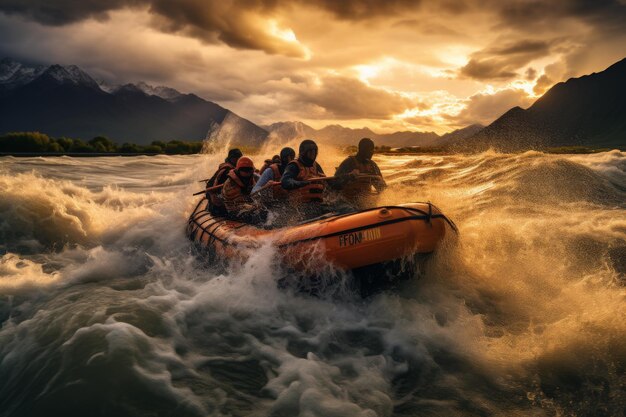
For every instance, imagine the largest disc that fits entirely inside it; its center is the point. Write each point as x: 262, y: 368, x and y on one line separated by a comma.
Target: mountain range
x: 66, y: 101
x: 586, y: 111
x: 344, y: 136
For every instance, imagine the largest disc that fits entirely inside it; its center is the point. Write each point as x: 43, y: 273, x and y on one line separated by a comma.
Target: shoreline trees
x: 36, y: 142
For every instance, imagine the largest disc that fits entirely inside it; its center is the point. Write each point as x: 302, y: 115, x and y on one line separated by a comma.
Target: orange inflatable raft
x: 349, y: 241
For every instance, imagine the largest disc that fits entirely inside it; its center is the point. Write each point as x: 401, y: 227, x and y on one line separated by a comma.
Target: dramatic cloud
x: 347, y: 98
x: 335, y: 97
x: 389, y: 65
x: 502, y: 61
x: 242, y: 24
x: 257, y: 24
x: 483, y: 108
x: 62, y: 12
x: 601, y: 14
x: 551, y: 75
x: 250, y: 26
x: 530, y: 74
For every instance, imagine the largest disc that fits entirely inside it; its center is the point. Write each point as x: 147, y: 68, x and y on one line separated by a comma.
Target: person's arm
x: 320, y: 170
x: 346, y: 167
x: 222, y: 177
x: 379, y: 183
x: 266, y: 177
x: 289, y: 181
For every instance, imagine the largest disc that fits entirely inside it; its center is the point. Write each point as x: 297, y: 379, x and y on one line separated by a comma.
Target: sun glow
x: 366, y: 72
x: 286, y: 35
x: 527, y: 86
x: 443, y: 105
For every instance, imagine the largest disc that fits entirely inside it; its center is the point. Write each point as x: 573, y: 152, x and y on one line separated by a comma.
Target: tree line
x: 37, y: 142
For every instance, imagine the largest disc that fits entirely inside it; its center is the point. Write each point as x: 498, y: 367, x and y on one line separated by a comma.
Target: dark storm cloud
x: 243, y: 23
x: 364, y: 9
x: 219, y: 21
x: 602, y: 14
x: 61, y: 12
x: 240, y: 24
x: 237, y: 24
x: 502, y: 61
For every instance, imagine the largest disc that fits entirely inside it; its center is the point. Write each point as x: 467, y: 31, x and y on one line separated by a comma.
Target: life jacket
x: 360, y: 186
x: 277, y: 190
x: 218, y: 178
x: 235, y: 193
x: 313, y: 192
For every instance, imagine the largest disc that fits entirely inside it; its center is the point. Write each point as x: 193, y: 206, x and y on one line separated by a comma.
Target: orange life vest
x: 235, y: 193
x: 277, y: 190
x: 214, y: 196
x: 309, y: 193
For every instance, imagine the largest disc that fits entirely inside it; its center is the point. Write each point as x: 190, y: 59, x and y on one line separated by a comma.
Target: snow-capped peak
x: 70, y: 74
x: 14, y: 74
x: 8, y: 68
x: 166, y: 93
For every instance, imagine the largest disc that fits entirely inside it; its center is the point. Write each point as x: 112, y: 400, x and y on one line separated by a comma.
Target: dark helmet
x: 366, y: 144
x: 234, y: 154
x: 366, y: 149
x: 307, y: 145
x: 285, y: 153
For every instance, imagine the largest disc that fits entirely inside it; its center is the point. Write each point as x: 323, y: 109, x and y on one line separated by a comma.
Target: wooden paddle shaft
x: 271, y: 183
x: 341, y: 176
x: 217, y: 187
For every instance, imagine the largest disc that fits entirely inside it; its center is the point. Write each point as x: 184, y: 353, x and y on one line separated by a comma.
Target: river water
x: 106, y: 310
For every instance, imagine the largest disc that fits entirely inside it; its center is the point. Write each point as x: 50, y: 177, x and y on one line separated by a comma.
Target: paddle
x: 217, y: 187
x: 271, y: 183
x: 318, y: 179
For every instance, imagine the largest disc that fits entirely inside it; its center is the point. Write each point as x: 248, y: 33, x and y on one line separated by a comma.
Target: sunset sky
x: 388, y: 65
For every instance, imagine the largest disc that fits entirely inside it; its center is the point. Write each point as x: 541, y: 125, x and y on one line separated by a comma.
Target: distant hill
x: 459, y: 135
x: 344, y: 136
x: 587, y: 111
x: 66, y: 101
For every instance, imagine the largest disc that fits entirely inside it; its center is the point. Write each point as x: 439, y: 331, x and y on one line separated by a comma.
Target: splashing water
x: 106, y: 310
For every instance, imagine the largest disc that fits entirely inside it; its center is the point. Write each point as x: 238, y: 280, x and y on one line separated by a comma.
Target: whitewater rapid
x: 105, y: 308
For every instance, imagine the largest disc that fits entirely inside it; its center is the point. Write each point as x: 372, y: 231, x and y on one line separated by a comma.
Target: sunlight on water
x: 105, y: 307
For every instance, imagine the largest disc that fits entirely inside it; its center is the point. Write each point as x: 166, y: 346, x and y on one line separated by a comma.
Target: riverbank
x: 75, y: 154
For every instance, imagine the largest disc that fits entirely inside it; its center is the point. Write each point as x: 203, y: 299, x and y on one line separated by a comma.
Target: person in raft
x: 236, y: 193
x: 358, y: 173
x: 216, y: 205
x: 274, y: 173
x: 266, y: 164
x: 304, y: 194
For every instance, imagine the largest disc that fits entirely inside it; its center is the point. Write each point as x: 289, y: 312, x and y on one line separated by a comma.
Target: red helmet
x: 245, y: 162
